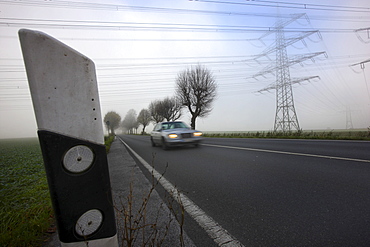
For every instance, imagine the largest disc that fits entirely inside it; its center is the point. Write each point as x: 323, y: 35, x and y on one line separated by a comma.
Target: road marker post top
x: 63, y: 87
x: 65, y: 97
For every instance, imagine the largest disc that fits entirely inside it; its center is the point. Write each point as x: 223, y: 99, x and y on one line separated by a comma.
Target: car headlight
x: 172, y: 136
x: 197, y: 133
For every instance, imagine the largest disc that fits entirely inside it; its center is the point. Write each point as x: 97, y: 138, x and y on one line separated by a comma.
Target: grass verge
x: 25, y: 206
x: 143, y: 222
x: 326, y: 135
x: 108, y: 142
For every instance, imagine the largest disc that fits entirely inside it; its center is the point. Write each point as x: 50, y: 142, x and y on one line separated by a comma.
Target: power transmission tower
x: 349, y: 124
x: 285, y: 116
x: 362, y: 66
x: 363, y: 32
x: 286, y: 119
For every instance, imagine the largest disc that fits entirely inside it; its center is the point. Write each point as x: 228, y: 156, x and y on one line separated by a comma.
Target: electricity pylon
x: 285, y: 116
x: 286, y: 119
x: 349, y: 124
x: 363, y: 32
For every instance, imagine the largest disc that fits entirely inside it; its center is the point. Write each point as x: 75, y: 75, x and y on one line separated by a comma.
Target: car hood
x: 181, y: 130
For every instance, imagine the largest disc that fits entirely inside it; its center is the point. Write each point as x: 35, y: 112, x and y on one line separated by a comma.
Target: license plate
x: 186, y: 135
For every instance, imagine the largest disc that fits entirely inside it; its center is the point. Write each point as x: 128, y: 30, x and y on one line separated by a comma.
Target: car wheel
x: 164, y: 144
x: 153, y: 143
x: 196, y: 145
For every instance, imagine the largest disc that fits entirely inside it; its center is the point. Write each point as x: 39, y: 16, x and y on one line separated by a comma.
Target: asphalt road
x: 268, y: 192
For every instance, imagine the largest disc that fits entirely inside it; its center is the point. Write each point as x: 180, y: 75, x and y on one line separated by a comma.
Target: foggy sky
x: 140, y: 46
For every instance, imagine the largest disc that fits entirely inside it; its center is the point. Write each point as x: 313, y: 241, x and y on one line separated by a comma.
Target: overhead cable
x: 137, y: 26
x: 294, y: 6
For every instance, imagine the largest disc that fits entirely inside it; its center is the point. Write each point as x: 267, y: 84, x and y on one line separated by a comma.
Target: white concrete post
x: 66, y: 102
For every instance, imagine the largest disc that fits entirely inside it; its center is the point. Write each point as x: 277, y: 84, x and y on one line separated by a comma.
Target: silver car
x: 168, y: 134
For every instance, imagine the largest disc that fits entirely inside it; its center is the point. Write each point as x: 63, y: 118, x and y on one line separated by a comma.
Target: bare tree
x: 144, y: 118
x: 171, y: 108
x: 130, y: 121
x: 196, y: 89
x: 168, y: 109
x: 112, y: 121
x: 137, y: 125
x: 155, y: 111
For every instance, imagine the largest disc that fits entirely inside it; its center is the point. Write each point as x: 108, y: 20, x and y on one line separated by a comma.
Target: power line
x: 158, y: 63
x: 147, y: 39
x: 138, y: 26
x: 296, y: 6
x: 128, y: 24
x: 305, y: 5
x: 163, y: 27
x: 115, y: 7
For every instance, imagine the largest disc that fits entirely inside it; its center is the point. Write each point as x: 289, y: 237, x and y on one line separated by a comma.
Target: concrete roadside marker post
x: 66, y: 102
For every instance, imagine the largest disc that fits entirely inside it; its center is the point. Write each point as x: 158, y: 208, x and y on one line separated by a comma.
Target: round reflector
x: 89, y: 222
x: 78, y: 159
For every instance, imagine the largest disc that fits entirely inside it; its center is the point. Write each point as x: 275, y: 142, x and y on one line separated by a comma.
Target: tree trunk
x: 193, y: 118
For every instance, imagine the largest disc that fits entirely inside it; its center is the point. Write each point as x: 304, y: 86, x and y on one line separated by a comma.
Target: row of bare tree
x: 195, y: 90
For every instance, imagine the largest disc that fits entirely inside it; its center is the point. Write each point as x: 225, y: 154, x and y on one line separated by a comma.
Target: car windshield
x: 174, y: 125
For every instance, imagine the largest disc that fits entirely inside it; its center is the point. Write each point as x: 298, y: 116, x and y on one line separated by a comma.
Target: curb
x: 157, y: 225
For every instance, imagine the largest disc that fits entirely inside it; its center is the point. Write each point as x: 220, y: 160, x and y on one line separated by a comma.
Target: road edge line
x: 288, y: 153
x: 213, y: 229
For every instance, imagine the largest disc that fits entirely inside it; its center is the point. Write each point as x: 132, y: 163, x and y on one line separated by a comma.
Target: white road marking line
x: 289, y: 153
x: 213, y: 229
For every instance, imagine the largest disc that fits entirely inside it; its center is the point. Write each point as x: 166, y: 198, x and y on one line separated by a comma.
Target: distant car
x: 168, y: 134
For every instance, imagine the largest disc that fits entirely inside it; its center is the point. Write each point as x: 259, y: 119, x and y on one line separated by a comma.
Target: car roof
x: 172, y: 122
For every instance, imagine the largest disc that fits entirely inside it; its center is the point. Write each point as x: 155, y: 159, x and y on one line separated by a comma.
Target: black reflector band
x: 79, y: 184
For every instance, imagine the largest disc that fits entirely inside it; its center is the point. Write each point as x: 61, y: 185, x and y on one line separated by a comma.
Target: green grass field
x: 359, y: 134
x: 25, y: 206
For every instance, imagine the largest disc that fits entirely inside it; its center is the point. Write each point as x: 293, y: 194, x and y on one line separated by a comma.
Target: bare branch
x: 196, y: 89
